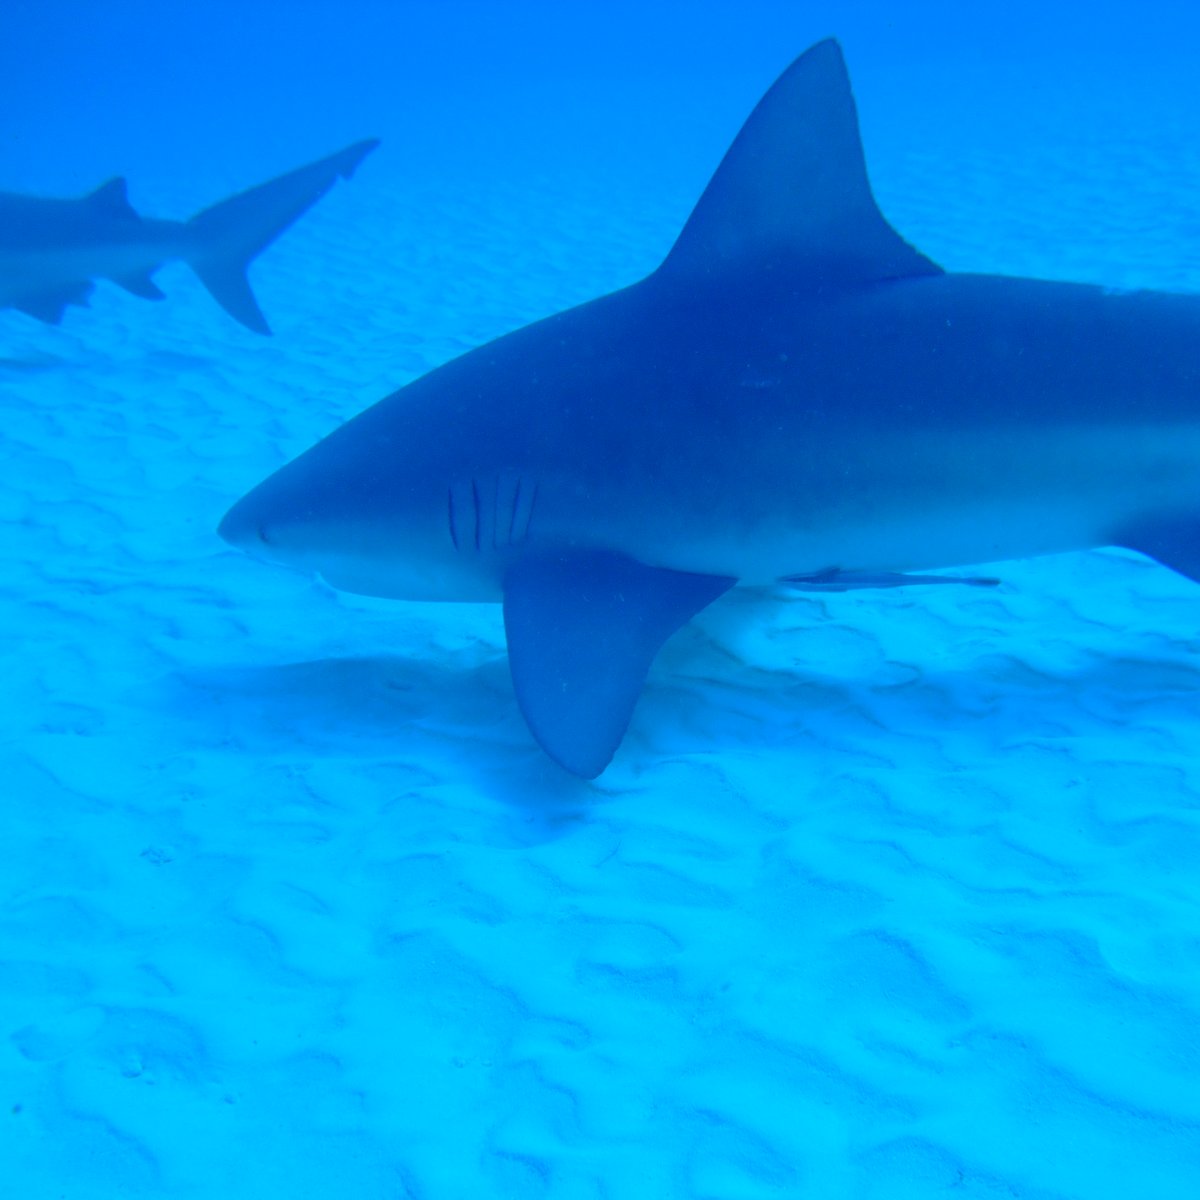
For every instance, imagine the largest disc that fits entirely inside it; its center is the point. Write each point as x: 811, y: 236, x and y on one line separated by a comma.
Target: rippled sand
x: 886, y: 895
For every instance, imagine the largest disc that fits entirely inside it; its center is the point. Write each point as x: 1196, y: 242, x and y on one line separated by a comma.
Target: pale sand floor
x: 887, y: 895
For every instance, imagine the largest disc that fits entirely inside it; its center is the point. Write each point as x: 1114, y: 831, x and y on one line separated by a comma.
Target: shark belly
x: 985, y: 496
x: 65, y: 275
x: 925, y: 502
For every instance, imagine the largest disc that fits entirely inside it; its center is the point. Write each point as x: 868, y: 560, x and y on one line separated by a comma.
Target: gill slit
x: 529, y: 515
x: 451, y: 516
x: 512, y: 515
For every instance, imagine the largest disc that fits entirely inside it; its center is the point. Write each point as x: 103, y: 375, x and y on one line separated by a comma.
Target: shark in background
x: 52, y: 250
x: 795, y: 394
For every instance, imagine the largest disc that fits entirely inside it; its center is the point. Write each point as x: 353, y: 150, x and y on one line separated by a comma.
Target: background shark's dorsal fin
x: 792, y: 192
x: 112, y: 199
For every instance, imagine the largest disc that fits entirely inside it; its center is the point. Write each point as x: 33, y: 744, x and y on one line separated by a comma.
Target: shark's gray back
x: 36, y: 223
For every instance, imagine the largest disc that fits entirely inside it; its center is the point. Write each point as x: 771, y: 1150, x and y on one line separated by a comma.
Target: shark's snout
x: 245, y: 527
x: 291, y: 518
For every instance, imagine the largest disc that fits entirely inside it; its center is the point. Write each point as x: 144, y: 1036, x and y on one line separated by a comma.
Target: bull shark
x: 795, y: 394
x: 51, y: 250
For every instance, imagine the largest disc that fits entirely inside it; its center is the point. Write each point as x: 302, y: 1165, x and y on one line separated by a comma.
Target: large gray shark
x: 796, y: 393
x: 51, y: 250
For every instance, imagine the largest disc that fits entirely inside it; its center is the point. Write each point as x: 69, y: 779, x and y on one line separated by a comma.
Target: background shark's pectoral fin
x: 792, y: 193
x: 583, y: 627
x: 141, y: 285
x: 50, y: 306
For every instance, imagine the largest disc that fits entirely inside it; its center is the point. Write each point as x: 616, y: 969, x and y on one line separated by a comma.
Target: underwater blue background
x: 886, y: 895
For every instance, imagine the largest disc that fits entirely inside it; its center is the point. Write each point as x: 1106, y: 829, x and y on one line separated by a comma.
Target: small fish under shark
x: 52, y: 250
x: 796, y: 394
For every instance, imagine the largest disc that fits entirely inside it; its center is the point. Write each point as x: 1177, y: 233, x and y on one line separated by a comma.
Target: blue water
x: 886, y: 895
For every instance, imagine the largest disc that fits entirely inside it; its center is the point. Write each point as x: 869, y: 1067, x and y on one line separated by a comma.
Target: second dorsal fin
x: 792, y: 192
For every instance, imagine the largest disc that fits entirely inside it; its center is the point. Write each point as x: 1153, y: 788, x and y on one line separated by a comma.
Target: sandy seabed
x: 886, y: 895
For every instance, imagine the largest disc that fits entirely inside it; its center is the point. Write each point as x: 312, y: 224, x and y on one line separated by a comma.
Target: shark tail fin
x: 226, y: 238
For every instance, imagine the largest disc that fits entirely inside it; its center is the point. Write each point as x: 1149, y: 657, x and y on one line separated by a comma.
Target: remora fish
x: 796, y: 393
x: 51, y: 250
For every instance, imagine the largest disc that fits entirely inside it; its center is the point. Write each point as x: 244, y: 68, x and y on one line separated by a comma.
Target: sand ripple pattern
x: 886, y: 895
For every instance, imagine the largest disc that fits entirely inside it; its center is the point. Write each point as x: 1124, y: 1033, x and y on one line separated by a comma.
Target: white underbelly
x: 941, y: 500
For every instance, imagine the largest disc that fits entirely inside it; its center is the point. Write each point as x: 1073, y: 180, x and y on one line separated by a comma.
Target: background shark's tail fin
x: 225, y: 238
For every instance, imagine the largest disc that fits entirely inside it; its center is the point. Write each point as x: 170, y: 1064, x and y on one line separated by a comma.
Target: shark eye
x: 264, y: 535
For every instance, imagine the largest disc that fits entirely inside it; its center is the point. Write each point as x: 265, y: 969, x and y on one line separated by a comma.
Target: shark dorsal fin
x: 792, y: 192
x: 112, y: 199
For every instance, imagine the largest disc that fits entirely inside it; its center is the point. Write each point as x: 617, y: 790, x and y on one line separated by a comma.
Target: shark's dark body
x: 796, y: 393
x: 51, y: 250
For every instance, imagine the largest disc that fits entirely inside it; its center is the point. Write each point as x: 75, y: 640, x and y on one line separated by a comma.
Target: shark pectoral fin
x: 141, y: 285
x: 792, y: 194
x: 1174, y: 542
x: 583, y: 627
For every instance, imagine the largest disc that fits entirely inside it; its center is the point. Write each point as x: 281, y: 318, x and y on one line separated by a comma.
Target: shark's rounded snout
x: 243, y: 526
